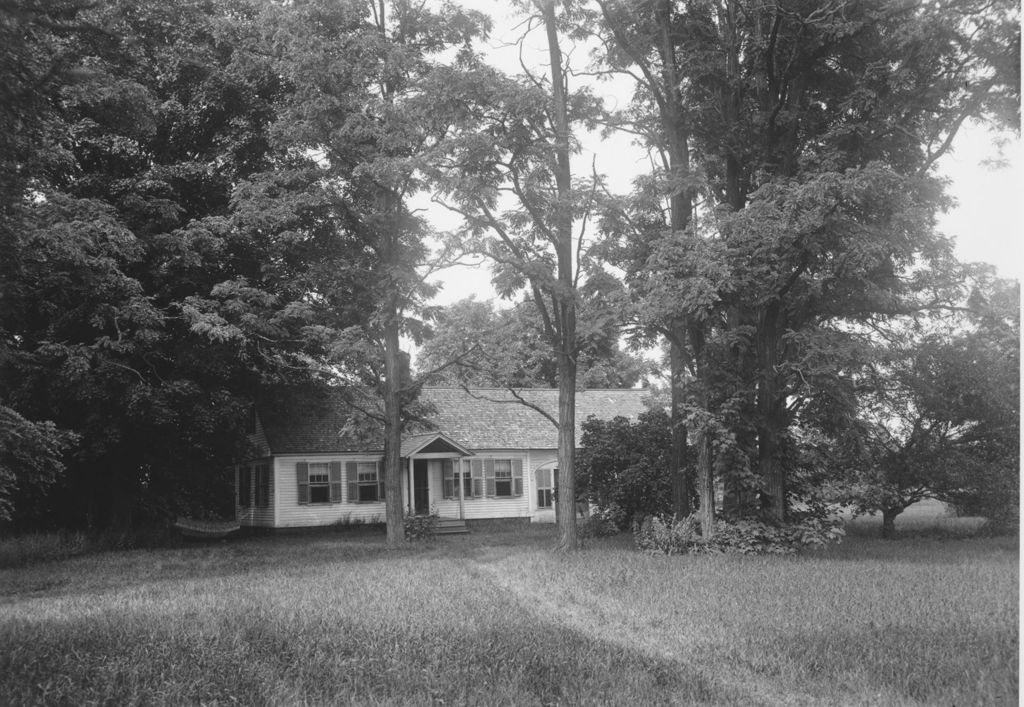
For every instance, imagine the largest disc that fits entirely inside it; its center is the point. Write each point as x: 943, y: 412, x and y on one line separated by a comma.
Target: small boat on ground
x: 205, y: 529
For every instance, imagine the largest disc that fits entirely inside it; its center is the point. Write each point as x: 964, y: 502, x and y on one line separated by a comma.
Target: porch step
x: 450, y: 526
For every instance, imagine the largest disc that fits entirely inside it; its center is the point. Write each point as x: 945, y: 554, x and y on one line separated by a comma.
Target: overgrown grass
x: 494, y: 617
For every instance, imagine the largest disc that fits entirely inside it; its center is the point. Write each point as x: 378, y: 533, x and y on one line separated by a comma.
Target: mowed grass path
x: 496, y: 618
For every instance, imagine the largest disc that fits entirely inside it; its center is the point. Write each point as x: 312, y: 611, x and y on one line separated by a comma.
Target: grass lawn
x: 495, y: 618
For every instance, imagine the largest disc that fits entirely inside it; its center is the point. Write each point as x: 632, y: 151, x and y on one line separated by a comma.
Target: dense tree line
x: 207, y: 203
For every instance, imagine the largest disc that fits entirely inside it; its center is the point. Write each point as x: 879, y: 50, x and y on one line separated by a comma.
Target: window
x: 502, y: 478
x: 365, y: 484
x: 545, y: 488
x: 319, y: 482
x: 263, y: 485
x: 453, y: 471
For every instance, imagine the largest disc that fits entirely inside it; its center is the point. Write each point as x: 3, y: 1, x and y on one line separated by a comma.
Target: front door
x: 420, y: 486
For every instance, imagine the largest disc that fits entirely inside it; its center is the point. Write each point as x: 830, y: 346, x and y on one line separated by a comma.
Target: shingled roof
x: 483, y: 418
x: 495, y: 419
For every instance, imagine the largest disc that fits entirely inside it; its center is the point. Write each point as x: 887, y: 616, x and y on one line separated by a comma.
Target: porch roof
x: 432, y: 442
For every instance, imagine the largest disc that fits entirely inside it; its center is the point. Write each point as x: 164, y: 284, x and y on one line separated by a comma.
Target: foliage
x: 601, y: 523
x: 623, y: 467
x: 661, y: 535
x: 148, y: 117
x: 30, y: 458
x: 420, y: 527
x: 939, y: 418
x: 475, y: 344
x: 813, y: 151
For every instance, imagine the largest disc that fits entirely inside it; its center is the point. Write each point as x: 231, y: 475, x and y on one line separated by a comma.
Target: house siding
x: 488, y: 507
x: 291, y: 514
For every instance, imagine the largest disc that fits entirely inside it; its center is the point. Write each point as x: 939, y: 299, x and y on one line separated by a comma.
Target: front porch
x: 429, y: 458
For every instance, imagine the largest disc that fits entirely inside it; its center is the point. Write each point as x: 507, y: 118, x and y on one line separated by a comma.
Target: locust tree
x: 510, y: 176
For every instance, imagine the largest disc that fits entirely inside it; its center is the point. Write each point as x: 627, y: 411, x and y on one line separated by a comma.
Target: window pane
x: 368, y: 492
x: 319, y: 494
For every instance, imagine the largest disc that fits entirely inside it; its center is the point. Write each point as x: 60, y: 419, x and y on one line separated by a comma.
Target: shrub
x: 658, y: 535
x: 598, y: 525
x: 623, y: 466
x: 420, y: 527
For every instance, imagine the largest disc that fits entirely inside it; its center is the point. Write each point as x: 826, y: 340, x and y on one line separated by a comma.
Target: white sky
x: 986, y: 222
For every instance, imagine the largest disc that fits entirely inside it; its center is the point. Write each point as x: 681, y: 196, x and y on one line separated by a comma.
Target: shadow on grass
x: 260, y: 656
x: 246, y: 557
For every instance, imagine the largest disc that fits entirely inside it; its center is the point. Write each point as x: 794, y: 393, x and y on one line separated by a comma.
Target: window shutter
x: 517, y: 477
x: 380, y: 483
x: 335, y: 468
x: 449, y: 480
x: 302, y: 474
x: 477, y: 472
x: 352, y: 477
x: 489, y: 476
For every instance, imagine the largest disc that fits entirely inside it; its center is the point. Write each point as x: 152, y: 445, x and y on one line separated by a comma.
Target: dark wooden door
x: 420, y: 486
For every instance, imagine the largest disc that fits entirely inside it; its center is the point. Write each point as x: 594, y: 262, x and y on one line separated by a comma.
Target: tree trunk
x: 393, y: 433
x: 564, y: 297
x: 705, y: 485
x: 677, y: 459
x: 889, y: 522
x: 771, y: 422
x: 677, y: 131
x: 567, y: 538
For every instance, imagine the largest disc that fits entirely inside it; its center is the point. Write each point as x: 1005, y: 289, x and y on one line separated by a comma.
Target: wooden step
x: 450, y: 526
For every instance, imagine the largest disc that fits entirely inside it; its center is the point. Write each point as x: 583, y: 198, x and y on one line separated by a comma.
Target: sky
x: 986, y: 223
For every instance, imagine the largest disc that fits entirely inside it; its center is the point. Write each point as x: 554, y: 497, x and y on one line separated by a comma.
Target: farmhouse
x: 480, y: 453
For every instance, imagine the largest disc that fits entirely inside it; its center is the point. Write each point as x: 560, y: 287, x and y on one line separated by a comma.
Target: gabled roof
x: 482, y: 418
x: 432, y: 442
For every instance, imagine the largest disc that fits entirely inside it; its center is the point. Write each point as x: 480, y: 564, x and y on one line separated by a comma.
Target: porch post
x: 462, y: 489
x: 409, y: 475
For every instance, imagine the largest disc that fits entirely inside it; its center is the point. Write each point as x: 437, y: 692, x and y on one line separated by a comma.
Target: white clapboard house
x: 480, y: 454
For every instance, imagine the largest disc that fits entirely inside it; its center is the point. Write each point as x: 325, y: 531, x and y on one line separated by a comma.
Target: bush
x: 420, y: 527
x: 598, y: 525
x: 623, y: 466
x: 659, y: 535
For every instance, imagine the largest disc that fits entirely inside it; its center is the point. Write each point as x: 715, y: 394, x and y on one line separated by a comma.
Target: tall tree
x: 939, y: 416
x: 362, y: 122
x: 648, y: 37
x: 817, y: 127
x: 141, y: 120
x: 520, y: 153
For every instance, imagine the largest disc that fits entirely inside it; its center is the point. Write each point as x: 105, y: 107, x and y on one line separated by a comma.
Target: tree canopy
x: 204, y: 202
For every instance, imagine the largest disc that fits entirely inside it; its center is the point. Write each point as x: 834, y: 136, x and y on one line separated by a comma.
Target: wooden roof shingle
x: 481, y: 418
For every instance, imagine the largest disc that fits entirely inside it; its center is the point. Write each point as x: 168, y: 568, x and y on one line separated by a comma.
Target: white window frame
x: 323, y: 482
